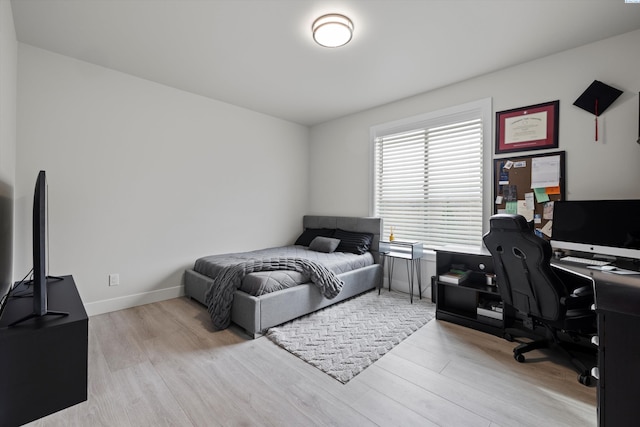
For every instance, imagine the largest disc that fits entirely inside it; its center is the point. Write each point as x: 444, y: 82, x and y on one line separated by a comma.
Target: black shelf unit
x: 45, y: 358
x: 459, y: 303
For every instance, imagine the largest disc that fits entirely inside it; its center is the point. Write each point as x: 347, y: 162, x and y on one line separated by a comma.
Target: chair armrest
x: 583, y: 290
x: 577, y: 301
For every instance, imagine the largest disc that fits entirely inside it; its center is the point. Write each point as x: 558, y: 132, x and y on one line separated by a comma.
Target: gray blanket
x: 219, y: 297
x: 262, y: 282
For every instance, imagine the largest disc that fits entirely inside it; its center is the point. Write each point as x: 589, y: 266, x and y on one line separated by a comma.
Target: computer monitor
x: 606, y: 228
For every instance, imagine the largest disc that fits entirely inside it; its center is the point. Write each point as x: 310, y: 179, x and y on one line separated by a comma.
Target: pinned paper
x: 547, y: 212
x: 511, y: 207
x: 508, y: 164
x: 545, y: 171
x: 521, y: 164
x: 547, y: 228
x: 531, y: 204
x: 553, y: 190
x: 498, y: 200
x: 537, y: 219
x: 541, y: 195
x: 510, y: 193
x: 524, y: 210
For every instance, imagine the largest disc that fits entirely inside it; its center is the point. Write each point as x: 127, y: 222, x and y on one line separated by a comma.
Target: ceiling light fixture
x: 332, y: 30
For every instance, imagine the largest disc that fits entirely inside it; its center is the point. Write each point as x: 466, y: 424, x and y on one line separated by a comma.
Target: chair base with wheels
x: 553, y: 342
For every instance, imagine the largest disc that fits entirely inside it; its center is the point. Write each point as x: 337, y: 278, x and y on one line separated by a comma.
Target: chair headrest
x: 509, y: 222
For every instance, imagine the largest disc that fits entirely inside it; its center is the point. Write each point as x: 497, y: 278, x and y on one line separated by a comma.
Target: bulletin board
x: 513, y: 178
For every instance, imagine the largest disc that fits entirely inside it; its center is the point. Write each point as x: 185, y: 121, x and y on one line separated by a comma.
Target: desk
x: 618, y: 309
x: 412, y: 252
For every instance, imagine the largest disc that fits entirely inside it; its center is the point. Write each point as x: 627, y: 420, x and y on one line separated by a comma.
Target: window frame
x: 482, y: 107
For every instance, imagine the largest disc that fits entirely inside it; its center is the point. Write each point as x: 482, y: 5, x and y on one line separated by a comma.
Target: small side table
x: 409, y: 251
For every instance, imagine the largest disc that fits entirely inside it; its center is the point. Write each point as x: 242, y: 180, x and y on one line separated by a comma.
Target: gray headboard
x: 349, y: 223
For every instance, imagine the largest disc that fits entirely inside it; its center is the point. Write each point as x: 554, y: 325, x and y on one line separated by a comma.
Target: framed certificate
x: 527, y: 128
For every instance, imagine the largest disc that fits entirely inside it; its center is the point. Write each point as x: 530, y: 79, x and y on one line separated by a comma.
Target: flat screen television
x: 6, y: 241
x: 39, y: 282
x: 602, y: 228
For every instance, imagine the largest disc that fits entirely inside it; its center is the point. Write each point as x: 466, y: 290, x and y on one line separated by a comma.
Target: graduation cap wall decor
x: 597, y: 98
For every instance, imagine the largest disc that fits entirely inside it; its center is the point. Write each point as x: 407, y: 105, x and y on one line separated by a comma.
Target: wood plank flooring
x: 162, y: 364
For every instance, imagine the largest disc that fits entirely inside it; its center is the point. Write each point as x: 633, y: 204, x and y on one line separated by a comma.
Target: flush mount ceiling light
x: 332, y: 30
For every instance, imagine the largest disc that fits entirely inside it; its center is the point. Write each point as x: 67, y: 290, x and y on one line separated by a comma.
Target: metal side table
x: 411, y: 252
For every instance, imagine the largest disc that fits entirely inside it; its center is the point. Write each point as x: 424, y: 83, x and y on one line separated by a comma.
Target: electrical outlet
x: 114, y: 279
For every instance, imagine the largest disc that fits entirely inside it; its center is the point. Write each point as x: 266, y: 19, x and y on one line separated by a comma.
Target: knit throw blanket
x: 219, y: 297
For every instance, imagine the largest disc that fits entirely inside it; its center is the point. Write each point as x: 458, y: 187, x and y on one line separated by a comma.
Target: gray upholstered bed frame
x: 256, y: 314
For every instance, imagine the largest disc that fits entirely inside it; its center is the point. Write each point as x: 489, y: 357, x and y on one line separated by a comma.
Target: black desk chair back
x: 529, y: 283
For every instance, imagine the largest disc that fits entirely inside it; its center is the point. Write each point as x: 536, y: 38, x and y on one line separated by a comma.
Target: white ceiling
x: 259, y: 54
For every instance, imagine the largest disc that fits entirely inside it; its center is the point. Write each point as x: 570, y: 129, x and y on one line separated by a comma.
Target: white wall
x: 143, y: 178
x: 8, y: 69
x: 340, y: 171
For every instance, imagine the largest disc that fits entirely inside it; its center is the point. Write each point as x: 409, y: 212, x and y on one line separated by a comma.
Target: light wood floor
x: 161, y: 364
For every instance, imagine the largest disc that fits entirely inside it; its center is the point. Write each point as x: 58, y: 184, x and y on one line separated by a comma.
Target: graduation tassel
x: 596, y: 99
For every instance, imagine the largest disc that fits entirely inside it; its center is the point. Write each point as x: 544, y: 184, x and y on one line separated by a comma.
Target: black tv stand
x: 44, y: 361
x: 34, y: 315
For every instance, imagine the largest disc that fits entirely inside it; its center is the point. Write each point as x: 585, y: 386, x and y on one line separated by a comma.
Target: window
x: 428, y: 175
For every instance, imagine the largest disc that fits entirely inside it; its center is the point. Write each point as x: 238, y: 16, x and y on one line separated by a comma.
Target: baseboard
x: 120, y: 303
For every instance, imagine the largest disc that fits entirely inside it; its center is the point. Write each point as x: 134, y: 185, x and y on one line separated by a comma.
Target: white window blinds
x: 428, y: 177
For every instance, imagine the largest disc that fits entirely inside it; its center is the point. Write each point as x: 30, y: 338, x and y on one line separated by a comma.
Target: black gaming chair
x: 527, y: 281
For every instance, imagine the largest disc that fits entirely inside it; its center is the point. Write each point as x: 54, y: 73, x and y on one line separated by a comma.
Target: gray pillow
x: 324, y: 244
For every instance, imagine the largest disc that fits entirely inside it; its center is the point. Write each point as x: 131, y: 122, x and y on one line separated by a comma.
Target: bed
x: 255, y: 314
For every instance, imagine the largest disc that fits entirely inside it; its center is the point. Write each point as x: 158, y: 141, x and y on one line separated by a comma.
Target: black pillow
x: 309, y: 234
x: 351, y: 241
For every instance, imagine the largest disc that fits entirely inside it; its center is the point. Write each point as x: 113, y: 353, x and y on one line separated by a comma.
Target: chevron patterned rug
x: 344, y: 339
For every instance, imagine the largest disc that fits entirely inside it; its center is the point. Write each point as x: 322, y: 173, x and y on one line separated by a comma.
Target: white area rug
x: 345, y: 338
